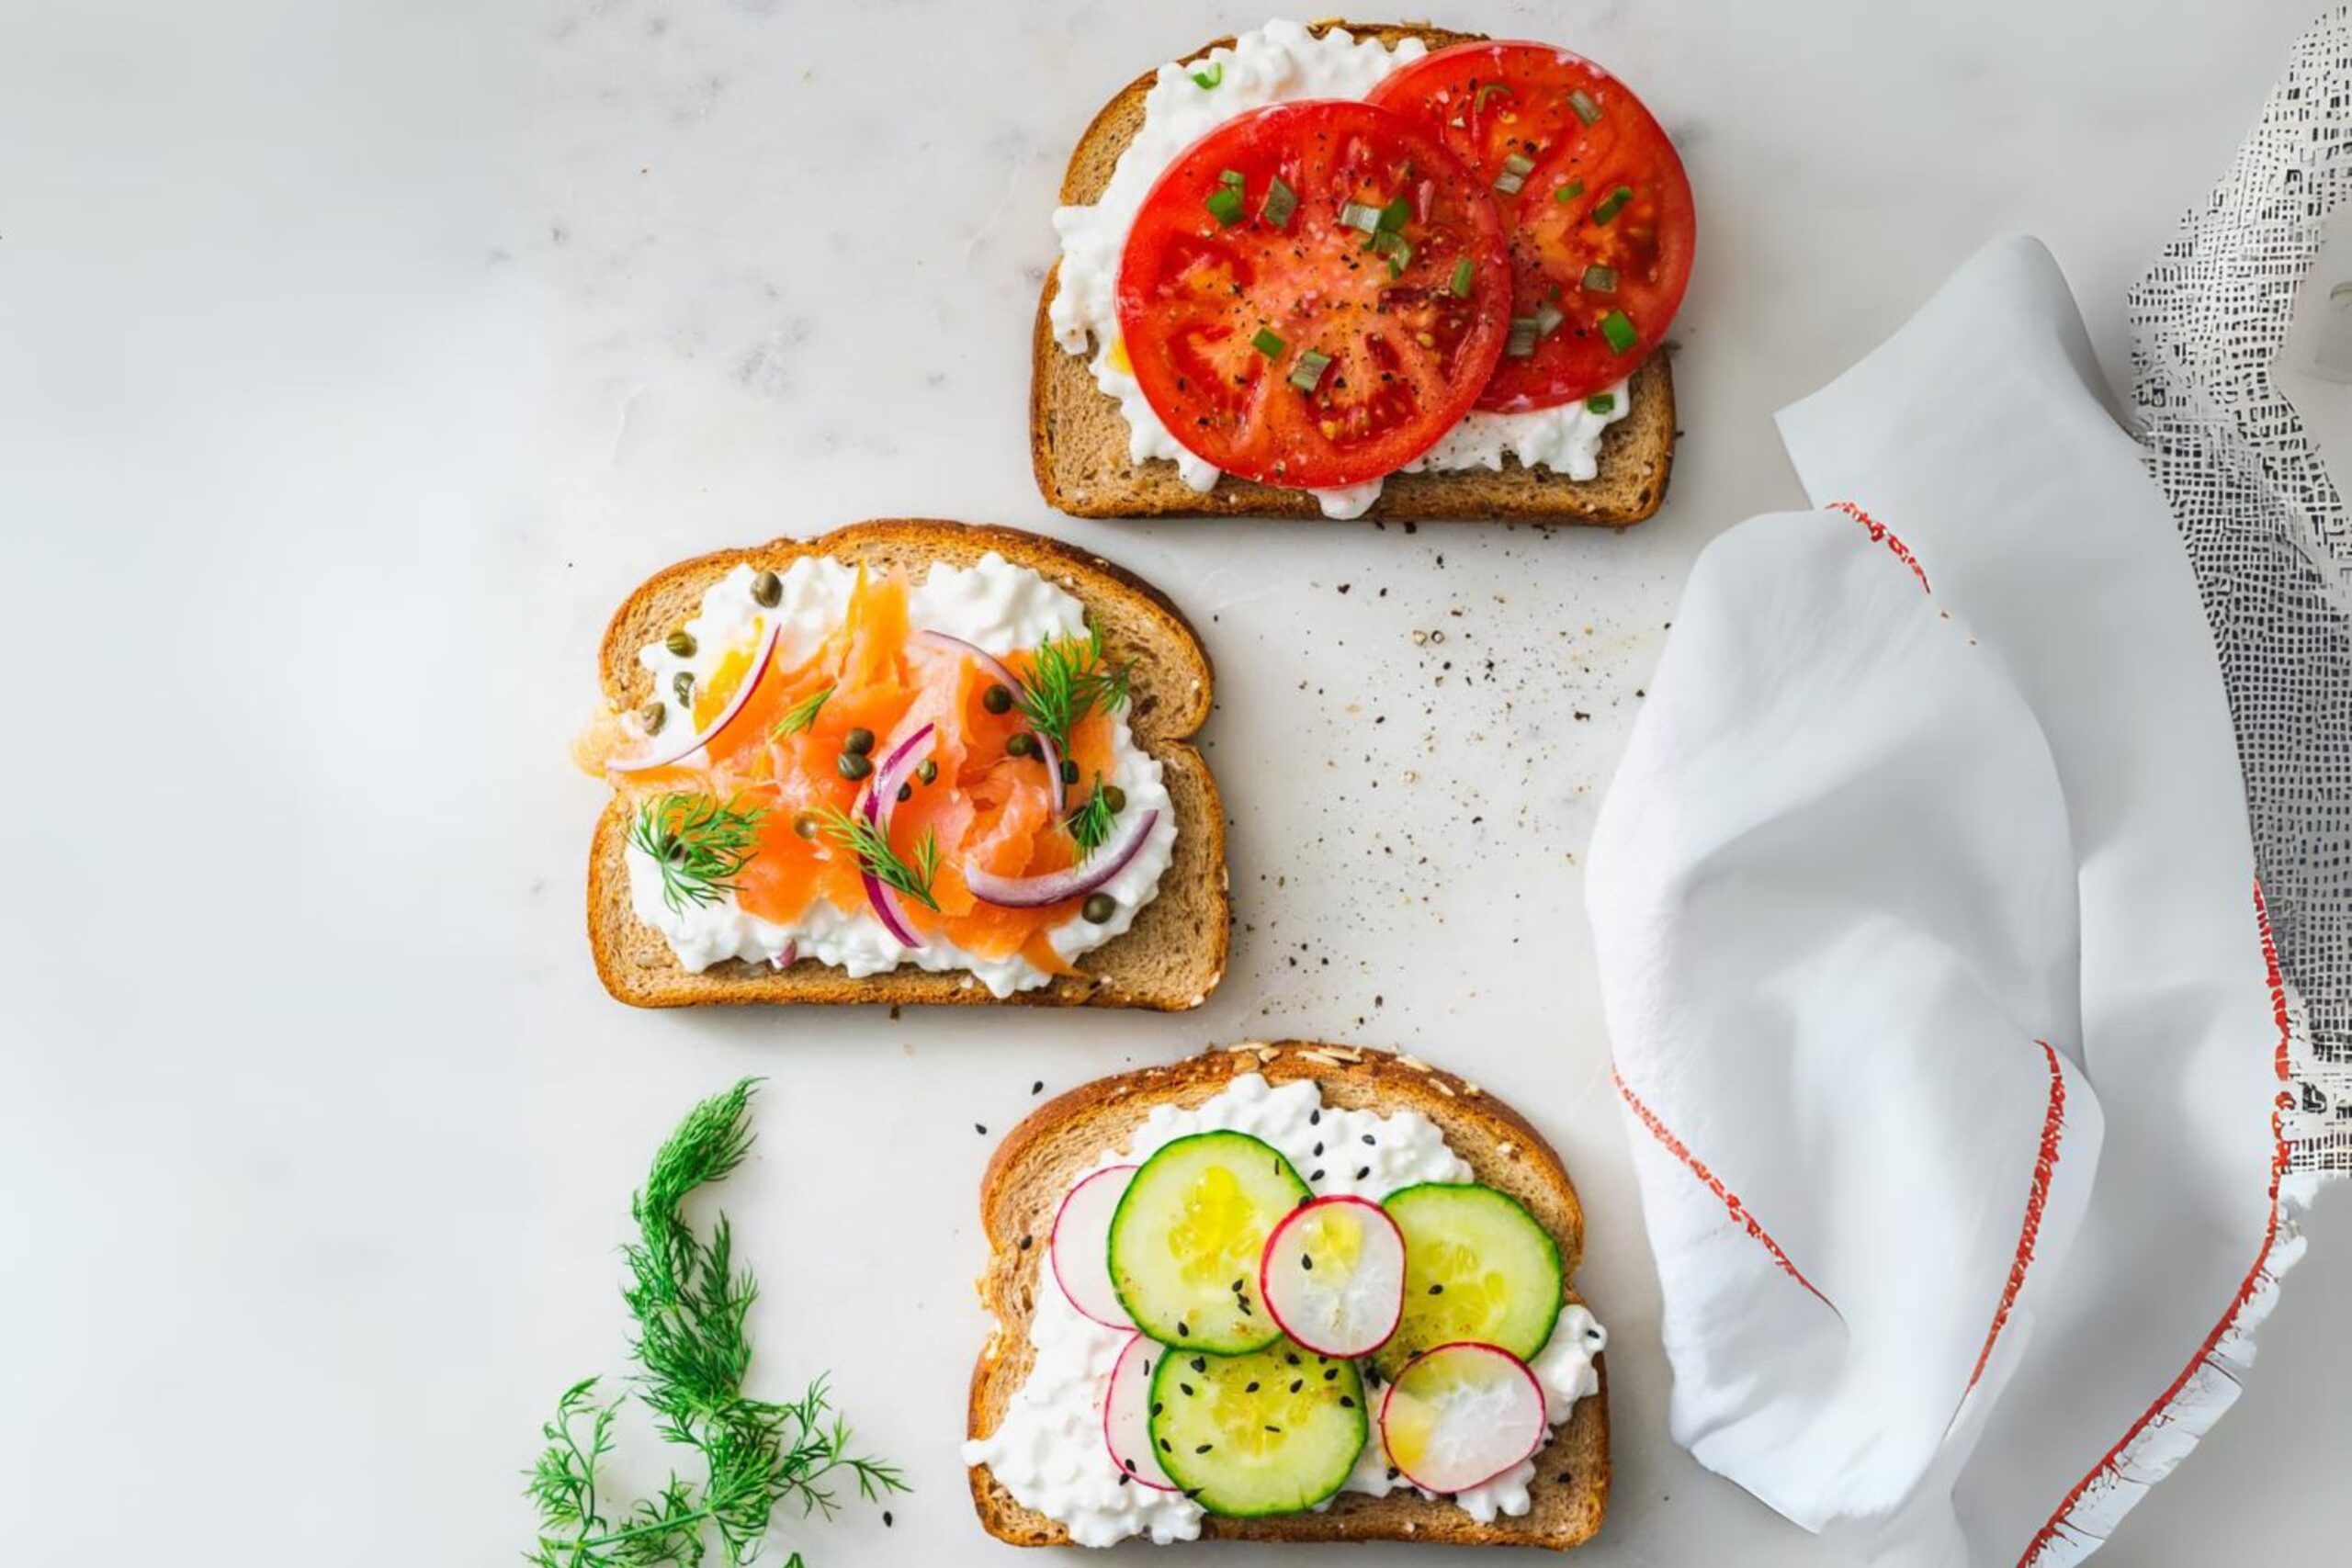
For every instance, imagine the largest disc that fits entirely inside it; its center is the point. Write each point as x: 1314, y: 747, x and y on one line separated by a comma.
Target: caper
x: 767, y: 590
x: 682, y: 686
x: 805, y: 824
x: 1069, y: 772
x: 997, y: 699
x: 906, y: 792
x: 1099, y: 907
x: 853, y: 765
x: 680, y: 642
x: 929, y: 771
x: 859, y: 741
x: 1021, y: 745
x: 653, y: 715
x: 1114, y: 797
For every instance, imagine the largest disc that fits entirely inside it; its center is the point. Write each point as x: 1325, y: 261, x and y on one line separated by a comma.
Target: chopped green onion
x: 1280, y: 202
x: 1612, y: 203
x: 1548, y: 318
x: 1569, y: 191
x: 1266, y: 344
x: 1225, y: 205
x: 1310, y: 370
x: 1463, y: 273
x: 1231, y: 177
x: 1516, y: 168
x: 1488, y: 91
x: 1393, y: 215
x: 1587, y: 110
x: 1619, y: 330
x: 1399, y: 251
x: 1209, y: 78
x: 1602, y: 402
x: 1521, y: 341
x: 1601, y: 279
x: 1356, y: 215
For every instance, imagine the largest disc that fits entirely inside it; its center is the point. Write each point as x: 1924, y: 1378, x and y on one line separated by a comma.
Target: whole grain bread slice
x: 1169, y: 959
x: 1039, y: 1160
x: 1078, y: 439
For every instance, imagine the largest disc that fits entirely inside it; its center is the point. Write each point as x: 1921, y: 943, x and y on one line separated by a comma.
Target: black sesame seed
x: 1130, y: 1464
x: 1200, y: 1363
x: 1297, y: 1384
x: 1243, y: 1304
x: 1164, y: 1447
x: 1330, y: 1373
x: 1124, y: 1477
x: 1025, y: 1241
x: 1239, y: 1285
x: 1567, y: 1477
x: 1437, y: 1290
x: 1292, y: 1358
x: 1183, y: 1330
x: 1157, y: 1407
x: 1276, y: 1430
x: 1318, y: 1151
x: 1364, y: 1172
x: 1316, y: 1176
x: 1251, y: 1389
x: 1305, y: 1261
x: 1187, y: 1388
x: 1367, y: 1138
x: 1038, y: 1087
x: 885, y: 1518
x: 1394, y: 1473
x: 1346, y: 1404
x: 1315, y: 1118
x: 1204, y: 1447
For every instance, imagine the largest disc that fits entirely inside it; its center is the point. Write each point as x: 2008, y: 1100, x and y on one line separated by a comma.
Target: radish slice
x: 726, y: 715
x: 1081, y: 1246
x: 1036, y: 892
x: 1126, y: 1414
x: 1010, y: 683
x: 1334, y: 1276
x: 881, y: 799
x: 1460, y: 1416
x: 787, y: 958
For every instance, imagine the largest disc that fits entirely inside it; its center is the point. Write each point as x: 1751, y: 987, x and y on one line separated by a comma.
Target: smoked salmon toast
x: 908, y: 761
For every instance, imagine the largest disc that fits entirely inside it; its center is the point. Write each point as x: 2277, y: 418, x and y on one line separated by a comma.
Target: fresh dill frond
x: 700, y: 845
x: 1091, y: 824
x: 800, y: 715
x: 1069, y: 679
x: 872, y: 847
x: 691, y: 1303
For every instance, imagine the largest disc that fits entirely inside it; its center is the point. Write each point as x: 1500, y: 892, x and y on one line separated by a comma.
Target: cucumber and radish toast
x: 1266, y: 1336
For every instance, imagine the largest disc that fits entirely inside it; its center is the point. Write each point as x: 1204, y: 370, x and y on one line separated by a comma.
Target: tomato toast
x: 905, y: 762
x: 1265, y: 308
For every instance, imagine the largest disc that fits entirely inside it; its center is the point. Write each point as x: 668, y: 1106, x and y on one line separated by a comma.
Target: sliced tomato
x: 1602, y: 223
x: 1298, y: 348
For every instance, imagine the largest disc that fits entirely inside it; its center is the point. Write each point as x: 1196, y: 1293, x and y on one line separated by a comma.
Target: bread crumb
x: 1409, y: 1059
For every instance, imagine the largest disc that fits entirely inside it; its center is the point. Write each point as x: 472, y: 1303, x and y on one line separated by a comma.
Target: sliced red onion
x: 1036, y: 892
x: 1011, y: 682
x: 726, y: 715
x: 881, y: 799
x: 787, y: 958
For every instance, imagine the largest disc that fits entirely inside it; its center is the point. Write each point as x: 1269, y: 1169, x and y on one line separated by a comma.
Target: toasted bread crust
x: 1035, y: 1164
x: 1169, y: 960
x: 1078, y: 445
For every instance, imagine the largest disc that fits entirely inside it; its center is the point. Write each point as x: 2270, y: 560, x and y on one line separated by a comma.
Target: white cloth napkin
x: 1929, y: 943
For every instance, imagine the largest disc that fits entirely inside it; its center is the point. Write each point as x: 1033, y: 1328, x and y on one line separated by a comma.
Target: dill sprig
x: 800, y: 715
x: 872, y: 848
x: 1091, y: 824
x: 690, y: 1304
x: 1069, y: 679
x: 700, y: 844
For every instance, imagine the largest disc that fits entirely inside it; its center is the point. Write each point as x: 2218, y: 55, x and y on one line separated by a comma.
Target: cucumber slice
x: 1479, y: 1269
x: 1188, y: 1236
x: 1275, y: 1431
x: 1461, y: 1415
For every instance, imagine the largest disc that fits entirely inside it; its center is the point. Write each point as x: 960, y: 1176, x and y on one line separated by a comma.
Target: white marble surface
x: 355, y: 360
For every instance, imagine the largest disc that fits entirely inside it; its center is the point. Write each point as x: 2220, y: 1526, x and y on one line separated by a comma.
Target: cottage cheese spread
x: 1048, y: 1450
x: 993, y: 604
x: 1279, y: 61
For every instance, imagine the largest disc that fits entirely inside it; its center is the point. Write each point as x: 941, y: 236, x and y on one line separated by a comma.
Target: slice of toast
x: 1169, y: 959
x: 1041, y: 1158
x: 1078, y: 439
